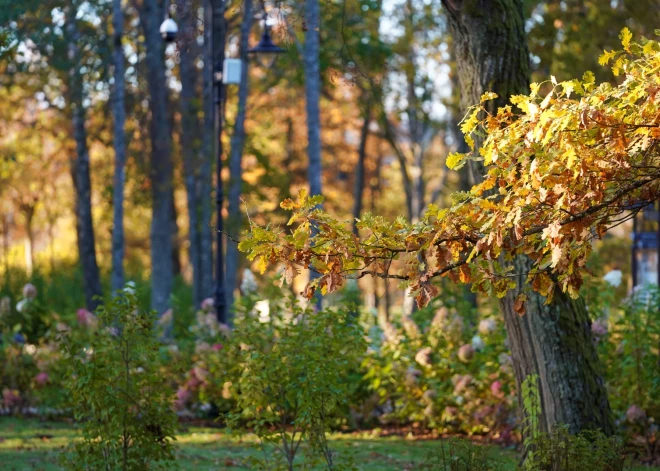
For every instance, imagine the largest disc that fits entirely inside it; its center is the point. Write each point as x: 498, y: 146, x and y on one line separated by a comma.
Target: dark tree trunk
x: 28, y: 213
x: 80, y: 173
x: 5, y: 243
x: 358, y: 188
x: 176, y: 242
x: 119, y: 135
x: 312, y: 68
x: 206, y: 233
x: 190, y: 136
x: 553, y: 341
x: 235, y: 161
x: 162, y: 269
x: 313, y: 94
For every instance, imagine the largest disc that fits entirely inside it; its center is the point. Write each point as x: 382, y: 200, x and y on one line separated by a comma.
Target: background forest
x: 108, y: 183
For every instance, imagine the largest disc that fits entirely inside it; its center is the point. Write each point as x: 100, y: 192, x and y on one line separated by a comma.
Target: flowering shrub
x: 448, y: 372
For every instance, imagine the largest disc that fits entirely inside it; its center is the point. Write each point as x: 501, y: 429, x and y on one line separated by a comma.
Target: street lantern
x: 266, y: 51
x: 169, y: 30
x: 646, y: 247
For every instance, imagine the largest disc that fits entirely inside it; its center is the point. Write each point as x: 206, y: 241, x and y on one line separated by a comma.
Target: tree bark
x: 551, y: 340
x: 162, y: 270
x: 28, y: 213
x: 80, y: 171
x: 312, y: 68
x: 358, y: 187
x: 206, y: 233
x: 190, y: 151
x: 119, y: 135
x: 235, y: 161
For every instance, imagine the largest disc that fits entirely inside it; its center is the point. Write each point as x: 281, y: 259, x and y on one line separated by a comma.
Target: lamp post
x: 646, y: 246
x: 225, y: 71
x: 228, y: 71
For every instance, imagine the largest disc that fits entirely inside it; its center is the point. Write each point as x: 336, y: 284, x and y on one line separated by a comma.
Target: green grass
x: 29, y: 444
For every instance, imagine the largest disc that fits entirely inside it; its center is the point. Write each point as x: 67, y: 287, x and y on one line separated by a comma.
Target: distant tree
x: 162, y: 270
x: 119, y: 136
x: 236, y: 157
x: 191, y: 135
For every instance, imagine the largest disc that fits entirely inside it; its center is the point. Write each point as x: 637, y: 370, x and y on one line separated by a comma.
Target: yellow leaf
x: 625, y: 36
x: 556, y: 255
x: 488, y: 96
x: 455, y: 160
x: 469, y: 141
x: 468, y: 125
x: 606, y: 57
x: 571, y: 157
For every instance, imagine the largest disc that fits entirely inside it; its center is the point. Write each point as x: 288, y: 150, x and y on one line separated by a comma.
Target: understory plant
x: 292, y: 382
x: 558, y: 450
x: 632, y: 358
x: 461, y: 455
x: 444, y: 367
x: 122, y: 407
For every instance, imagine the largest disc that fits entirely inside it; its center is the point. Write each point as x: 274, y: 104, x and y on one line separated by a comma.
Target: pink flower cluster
x: 86, y: 318
x: 10, y: 397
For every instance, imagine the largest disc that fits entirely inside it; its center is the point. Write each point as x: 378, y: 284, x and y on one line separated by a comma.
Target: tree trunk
x: 28, y: 212
x: 80, y: 172
x: 162, y: 270
x: 312, y: 68
x: 358, y: 188
x: 119, y: 134
x: 190, y: 152
x: 235, y: 161
x: 206, y: 233
x: 5, y: 243
x: 551, y: 340
x: 555, y: 342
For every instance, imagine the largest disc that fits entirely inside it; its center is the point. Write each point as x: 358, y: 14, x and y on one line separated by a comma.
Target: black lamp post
x: 266, y: 52
x: 265, y: 49
x: 646, y: 245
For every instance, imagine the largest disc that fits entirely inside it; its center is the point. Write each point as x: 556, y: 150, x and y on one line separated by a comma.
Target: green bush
x: 292, y: 365
x: 122, y: 407
x: 461, y: 455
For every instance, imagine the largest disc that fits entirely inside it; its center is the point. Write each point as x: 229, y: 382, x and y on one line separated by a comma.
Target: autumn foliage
x: 563, y: 167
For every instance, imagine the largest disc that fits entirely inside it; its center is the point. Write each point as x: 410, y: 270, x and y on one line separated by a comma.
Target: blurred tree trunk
x: 119, y: 136
x: 358, y: 188
x: 80, y: 170
x: 208, y: 145
x: 190, y: 138
x: 312, y: 66
x: 5, y: 243
x: 176, y: 242
x: 236, y: 159
x: 162, y: 269
x: 28, y: 214
x: 553, y: 340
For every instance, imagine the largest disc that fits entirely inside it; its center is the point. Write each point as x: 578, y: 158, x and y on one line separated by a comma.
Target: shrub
x: 293, y: 363
x: 120, y: 403
x: 444, y: 367
x: 558, y: 450
x: 461, y: 455
x: 629, y: 343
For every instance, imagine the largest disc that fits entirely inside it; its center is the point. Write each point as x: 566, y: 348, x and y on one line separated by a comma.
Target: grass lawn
x: 29, y: 444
